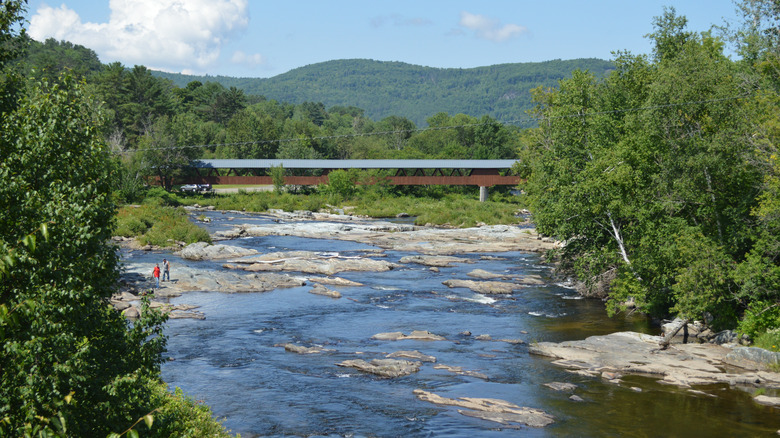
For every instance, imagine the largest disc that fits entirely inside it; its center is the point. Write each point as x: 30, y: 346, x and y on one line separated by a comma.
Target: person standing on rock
x: 166, y: 270
x: 156, y: 273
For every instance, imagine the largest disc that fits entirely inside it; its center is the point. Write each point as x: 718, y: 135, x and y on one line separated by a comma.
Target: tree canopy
x: 653, y: 177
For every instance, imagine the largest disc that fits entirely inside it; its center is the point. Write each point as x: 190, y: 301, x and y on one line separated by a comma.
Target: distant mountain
x: 384, y: 89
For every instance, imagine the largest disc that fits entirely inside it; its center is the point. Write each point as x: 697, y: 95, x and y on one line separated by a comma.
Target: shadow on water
x: 235, y: 360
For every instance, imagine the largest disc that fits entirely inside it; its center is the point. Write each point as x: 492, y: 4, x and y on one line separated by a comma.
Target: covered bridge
x: 482, y: 173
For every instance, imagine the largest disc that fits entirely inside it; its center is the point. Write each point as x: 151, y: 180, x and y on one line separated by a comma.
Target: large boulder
x: 206, y: 251
x: 484, y: 287
x: 753, y: 358
x: 384, y: 367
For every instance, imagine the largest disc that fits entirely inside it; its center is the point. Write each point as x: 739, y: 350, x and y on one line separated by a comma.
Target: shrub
x: 760, y: 317
x: 159, y: 196
x: 159, y: 225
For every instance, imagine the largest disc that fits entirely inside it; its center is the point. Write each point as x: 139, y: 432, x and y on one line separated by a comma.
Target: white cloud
x: 172, y: 35
x: 242, y: 58
x: 490, y: 28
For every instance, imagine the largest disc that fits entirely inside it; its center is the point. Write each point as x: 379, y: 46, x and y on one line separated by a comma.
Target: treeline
x: 663, y: 178
x: 384, y: 89
x: 159, y: 128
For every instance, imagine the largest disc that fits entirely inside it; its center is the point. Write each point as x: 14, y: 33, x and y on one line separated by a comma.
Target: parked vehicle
x: 190, y: 188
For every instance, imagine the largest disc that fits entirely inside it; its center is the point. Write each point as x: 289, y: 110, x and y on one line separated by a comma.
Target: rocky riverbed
x: 228, y: 268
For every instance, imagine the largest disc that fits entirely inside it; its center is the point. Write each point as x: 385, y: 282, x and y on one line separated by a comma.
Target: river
x: 233, y: 360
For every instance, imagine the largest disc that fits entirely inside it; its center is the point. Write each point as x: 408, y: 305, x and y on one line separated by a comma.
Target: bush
x: 159, y: 196
x: 179, y: 415
x: 158, y: 225
x: 760, y: 317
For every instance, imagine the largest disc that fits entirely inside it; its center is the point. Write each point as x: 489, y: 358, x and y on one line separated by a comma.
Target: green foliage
x: 657, y: 198
x: 160, y: 197
x: 383, y: 89
x: 59, y: 336
x: 277, y: 176
x: 342, y: 183
x: 760, y: 317
x: 181, y: 416
x: 158, y: 225
x: 769, y: 340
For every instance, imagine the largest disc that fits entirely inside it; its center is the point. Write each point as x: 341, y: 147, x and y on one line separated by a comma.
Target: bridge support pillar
x: 483, y: 194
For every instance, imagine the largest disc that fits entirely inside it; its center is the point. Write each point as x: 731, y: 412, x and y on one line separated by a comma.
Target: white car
x: 189, y: 188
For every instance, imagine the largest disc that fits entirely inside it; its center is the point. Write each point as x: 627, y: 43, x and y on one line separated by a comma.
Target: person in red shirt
x: 156, y: 274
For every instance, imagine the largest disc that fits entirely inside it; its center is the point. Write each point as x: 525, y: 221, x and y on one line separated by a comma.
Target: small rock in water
x: 561, y: 386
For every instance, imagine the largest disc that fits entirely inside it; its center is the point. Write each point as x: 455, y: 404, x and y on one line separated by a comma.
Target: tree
x: 167, y: 148
x: 648, y: 175
x: 65, y: 350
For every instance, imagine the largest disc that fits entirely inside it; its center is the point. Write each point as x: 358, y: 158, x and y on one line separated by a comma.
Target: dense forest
x: 661, y: 176
x: 384, y: 89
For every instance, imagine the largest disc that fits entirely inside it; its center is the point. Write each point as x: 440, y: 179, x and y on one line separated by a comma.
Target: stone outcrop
x: 683, y: 365
x: 324, y: 291
x: 753, y: 358
x: 400, y: 237
x: 300, y: 349
x: 334, y: 281
x: 484, y: 287
x: 185, y: 279
x: 413, y: 354
x: 490, y: 409
x: 435, y: 261
x: 384, y: 367
x: 309, y: 262
x: 460, y: 371
x: 418, y: 335
x: 561, y: 386
x: 206, y: 251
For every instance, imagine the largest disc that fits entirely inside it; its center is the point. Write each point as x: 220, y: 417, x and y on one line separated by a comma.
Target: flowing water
x: 233, y: 360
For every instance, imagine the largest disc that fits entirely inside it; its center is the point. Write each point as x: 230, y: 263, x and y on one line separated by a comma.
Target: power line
x: 440, y: 128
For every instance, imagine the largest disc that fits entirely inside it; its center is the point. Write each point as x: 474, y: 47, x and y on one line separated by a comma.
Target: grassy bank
x: 436, y: 208
x: 159, y: 225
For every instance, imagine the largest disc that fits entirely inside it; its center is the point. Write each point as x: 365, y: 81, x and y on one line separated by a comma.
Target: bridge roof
x: 356, y: 164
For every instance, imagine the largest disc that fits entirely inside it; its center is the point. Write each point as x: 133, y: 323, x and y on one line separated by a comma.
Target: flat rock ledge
x: 389, y: 368
x: 413, y: 354
x: 424, y: 240
x: 683, y: 365
x: 484, y: 287
x: 491, y: 409
x: 435, y: 261
x: 300, y: 349
x: 206, y: 251
x: 324, y: 291
x: 460, y: 371
x: 309, y: 262
x: 419, y: 335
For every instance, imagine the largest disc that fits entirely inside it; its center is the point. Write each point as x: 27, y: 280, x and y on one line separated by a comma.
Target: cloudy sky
x: 263, y: 38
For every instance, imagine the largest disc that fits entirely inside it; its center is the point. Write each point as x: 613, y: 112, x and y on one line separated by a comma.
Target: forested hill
x: 384, y: 89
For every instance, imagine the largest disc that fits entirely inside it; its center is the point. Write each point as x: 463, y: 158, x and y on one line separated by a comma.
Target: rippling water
x: 232, y: 360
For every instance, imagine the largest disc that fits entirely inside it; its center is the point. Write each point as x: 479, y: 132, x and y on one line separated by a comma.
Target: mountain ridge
x: 394, y: 88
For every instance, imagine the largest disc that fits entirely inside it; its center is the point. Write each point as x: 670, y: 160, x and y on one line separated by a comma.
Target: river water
x: 233, y: 360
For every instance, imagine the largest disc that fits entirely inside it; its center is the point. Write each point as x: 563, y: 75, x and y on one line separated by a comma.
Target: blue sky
x: 259, y: 38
